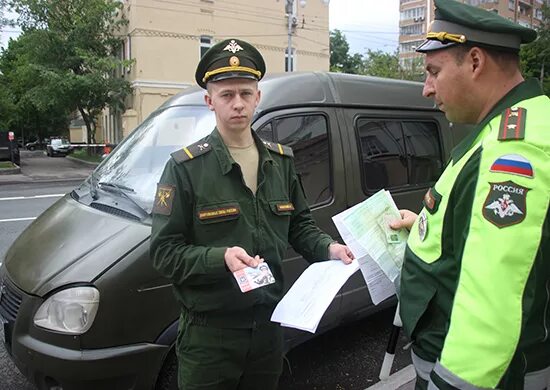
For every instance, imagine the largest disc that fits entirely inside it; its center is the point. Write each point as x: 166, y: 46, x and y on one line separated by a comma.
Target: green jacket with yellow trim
x: 203, y: 207
x: 475, y: 286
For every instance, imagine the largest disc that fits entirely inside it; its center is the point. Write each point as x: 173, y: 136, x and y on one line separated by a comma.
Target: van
x: 83, y: 307
x: 9, y: 149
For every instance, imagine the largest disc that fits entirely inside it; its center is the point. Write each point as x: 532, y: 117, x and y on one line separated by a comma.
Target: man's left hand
x: 339, y: 251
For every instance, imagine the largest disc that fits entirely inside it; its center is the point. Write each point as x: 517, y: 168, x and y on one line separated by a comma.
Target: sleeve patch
x: 513, y: 164
x: 506, y: 204
x: 512, y: 124
x: 164, y: 199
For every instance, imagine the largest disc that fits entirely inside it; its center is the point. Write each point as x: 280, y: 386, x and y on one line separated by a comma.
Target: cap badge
x: 234, y: 61
x: 233, y: 47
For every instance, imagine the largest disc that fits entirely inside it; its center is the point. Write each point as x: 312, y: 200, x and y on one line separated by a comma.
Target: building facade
x: 166, y: 38
x: 416, y: 15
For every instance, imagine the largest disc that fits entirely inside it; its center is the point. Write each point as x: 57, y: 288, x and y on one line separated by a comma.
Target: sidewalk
x: 403, y: 379
x: 37, y: 168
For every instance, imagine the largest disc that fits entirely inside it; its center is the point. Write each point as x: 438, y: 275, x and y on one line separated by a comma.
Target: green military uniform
x: 475, y: 286
x: 202, y: 207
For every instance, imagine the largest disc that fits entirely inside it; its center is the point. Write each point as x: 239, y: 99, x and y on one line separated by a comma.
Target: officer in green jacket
x: 224, y: 203
x: 475, y: 285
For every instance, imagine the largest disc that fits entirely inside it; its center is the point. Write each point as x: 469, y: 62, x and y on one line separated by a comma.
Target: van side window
x: 307, y: 135
x: 398, y: 153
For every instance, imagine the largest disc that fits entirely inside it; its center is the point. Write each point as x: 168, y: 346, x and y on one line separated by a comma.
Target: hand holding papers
x: 307, y: 300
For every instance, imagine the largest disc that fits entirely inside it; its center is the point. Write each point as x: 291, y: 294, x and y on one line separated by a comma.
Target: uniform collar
x: 224, y: 157
x: 524, y: 90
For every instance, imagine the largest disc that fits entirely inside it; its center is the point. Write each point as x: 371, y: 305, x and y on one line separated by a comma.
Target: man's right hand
x: 236, y: 258
x: 406, y: 221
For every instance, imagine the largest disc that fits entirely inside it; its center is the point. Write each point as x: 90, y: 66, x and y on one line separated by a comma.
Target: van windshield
x: 137, y: 163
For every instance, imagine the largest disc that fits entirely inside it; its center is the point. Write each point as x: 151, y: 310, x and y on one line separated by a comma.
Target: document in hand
x: 378, y: 248
x: 307, y: 300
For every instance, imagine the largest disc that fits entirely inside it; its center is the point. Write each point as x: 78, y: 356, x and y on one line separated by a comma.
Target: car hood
x: 70, y: 243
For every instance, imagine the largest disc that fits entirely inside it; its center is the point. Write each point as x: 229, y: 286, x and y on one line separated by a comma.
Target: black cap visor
x: 232, y: 75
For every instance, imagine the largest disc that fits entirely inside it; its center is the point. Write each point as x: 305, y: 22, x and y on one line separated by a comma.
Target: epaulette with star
x: 191, y: 151
x: 512, y: 124
x: 278, y: 148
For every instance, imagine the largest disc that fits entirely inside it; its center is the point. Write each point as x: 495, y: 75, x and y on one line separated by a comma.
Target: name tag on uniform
x: 251, y: 278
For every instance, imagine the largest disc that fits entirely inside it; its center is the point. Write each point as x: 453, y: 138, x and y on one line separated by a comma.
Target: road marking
x: 34, y: 197
x: 18, y: 219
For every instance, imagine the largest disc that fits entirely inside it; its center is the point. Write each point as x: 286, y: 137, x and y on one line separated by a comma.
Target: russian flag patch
x: 514, y: 164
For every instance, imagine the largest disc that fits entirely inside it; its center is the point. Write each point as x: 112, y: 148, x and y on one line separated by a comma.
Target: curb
x: 403, y: 379
x: 93, y: 164
x: 10, y: 171
x: 28, y: 180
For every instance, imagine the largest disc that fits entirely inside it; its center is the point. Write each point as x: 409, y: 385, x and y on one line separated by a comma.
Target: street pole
x: 290, y: 11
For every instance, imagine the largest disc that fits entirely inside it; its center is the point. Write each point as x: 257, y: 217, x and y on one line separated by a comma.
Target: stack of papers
x: 378, y: 248
x: 307, y: 300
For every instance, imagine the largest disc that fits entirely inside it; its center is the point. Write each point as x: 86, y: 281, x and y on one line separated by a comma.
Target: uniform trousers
x: 536, y: 380
x: 229, y: 359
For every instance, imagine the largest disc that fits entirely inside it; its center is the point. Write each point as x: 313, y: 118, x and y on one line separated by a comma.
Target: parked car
x: 83, y: 306
x: 58, y: 147
x: 35, y: 145
x: 9, y: 150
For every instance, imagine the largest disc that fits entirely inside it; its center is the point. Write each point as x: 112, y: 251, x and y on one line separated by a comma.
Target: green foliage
x: 340, y: 59
x: 66, y: 60
x: 535, y: 57
x: 378, y: 63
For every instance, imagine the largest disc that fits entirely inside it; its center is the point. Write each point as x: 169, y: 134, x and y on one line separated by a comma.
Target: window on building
x: 398, y: 153
x: 292, y: 60
x: 418, y: 14
x: 206, y: 43
x: 413, y: 29
x: 307, y: 135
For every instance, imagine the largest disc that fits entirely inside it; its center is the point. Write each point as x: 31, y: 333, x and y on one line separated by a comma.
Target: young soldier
x: 475, y: 286
x: 228, y: 202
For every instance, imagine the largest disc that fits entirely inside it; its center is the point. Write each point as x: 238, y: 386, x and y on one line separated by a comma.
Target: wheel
x: 31, y: 148
x: 168, y: 376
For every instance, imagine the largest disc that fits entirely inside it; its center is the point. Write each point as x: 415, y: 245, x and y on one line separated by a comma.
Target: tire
x: 168, y: 376
x: 31, y: 148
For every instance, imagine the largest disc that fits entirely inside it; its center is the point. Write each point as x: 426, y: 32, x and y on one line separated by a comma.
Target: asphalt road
x: 345, y: 358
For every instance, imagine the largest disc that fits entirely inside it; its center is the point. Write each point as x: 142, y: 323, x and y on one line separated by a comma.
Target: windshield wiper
x: 121, y: 190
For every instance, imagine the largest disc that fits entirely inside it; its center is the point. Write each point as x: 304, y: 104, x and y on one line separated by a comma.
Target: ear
x: 208, y: 101
x: 478, y: 61
x: 258, y: 97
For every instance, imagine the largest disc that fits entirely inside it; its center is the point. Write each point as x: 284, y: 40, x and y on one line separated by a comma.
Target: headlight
x: 69, y: 311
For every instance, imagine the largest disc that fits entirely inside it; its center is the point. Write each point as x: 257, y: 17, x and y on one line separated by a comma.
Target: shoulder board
x: 512, y: 124
x: 278, y: 148
x: 190, y: 152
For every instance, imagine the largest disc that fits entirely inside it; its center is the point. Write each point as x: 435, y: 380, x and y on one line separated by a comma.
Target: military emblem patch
x: 431, y: 200
x: 164, y: 199
x: 505, y: 204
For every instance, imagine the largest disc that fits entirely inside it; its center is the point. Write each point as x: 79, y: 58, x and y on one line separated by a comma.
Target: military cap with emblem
x: 231, y: 58
x: 457, y: 23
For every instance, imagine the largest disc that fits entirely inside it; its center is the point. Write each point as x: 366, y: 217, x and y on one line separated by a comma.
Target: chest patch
x: 219, y: 212
x: 164, y: 198
x: 285, y: 207
x: 505, y: 204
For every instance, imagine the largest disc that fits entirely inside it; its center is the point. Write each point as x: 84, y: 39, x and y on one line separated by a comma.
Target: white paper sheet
x: 307, y: 300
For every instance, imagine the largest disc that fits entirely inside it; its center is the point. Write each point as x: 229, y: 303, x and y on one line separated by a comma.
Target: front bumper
x: 48, y: 364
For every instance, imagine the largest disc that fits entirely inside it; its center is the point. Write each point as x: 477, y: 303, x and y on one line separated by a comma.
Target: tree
x: 72, y: 51
x: 340, y: 59
x: 381, y: 64
x: 535, y: 57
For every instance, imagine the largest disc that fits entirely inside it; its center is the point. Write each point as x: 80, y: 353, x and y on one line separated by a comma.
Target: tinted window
x: 308, y: 137
x: 398, y: 153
